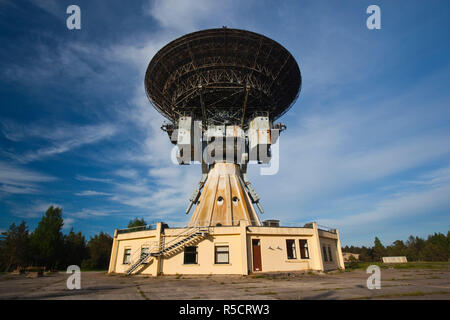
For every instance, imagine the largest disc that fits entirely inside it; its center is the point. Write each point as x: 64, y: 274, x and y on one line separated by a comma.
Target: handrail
x: 326, y: 229
x: 135, y: 229
x: 186, y: 233
x: 161, y: 247
x: 137, y: 253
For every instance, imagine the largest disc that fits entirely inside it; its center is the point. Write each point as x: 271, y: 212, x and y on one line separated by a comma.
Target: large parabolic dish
x: 222, y: 76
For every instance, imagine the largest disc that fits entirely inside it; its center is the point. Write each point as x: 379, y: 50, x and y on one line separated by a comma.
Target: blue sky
x: 368, y: 141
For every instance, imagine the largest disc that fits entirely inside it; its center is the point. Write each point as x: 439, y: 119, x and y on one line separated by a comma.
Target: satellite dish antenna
x: 221, y: 90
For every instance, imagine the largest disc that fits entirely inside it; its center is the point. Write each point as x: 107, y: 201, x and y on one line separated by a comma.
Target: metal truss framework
x: 222, y: 76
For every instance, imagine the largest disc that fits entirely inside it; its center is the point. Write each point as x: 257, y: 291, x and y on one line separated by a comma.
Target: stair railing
x: 157, y: 248
x: 184, y: 234
x: 137, y: 254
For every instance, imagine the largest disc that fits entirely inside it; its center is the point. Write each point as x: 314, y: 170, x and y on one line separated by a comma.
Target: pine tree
x: 75, y: 248
x: 99, y: 251
x: 137, y: 223
x: 48, y: 241
x: 379, y: 250
x: 16, y: 247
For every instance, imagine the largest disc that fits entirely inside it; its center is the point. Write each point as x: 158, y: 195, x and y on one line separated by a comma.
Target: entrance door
x: 256, y: 255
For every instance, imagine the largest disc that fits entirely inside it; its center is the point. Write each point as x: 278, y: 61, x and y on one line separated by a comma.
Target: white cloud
x: 164, y: 172
x: 50, y: 6
x: 398, y: 206
x: 166, y: 191
x: 89, y: 193
x: 76, y: 60
x: 34, y: 210
x: 89, y: 213
x: 85, y: 178
x: 436, y: 177
x: 61, y: 137
x: 18, y: 180
x: 126, y: 173
x: 68, y: 223
x: 188, y: 16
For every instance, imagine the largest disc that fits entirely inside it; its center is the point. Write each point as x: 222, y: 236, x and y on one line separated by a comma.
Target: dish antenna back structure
x: 222, y: 90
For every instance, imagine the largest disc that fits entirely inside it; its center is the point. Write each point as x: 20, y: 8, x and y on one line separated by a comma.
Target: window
x: 190, y: 255
x: 144, y: 251
x: 222, y: 255
x: 304, y: 252
x: 126, y: 256
x: 290, y: 245
x: 325, y: 254
x: 329, y: 254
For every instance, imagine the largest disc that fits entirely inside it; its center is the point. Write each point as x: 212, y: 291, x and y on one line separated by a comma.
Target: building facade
x: 241, y: 249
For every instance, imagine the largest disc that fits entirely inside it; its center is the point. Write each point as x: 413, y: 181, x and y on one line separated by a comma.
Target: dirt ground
x: 395, y: 284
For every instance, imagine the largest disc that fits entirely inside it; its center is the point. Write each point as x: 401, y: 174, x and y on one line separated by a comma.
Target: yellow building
x: 240, y: 249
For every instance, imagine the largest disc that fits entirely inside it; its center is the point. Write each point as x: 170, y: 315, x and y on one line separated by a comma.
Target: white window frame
x: 223, y: 252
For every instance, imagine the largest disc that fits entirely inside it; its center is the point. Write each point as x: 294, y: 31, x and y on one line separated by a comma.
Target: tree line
x: 48, y: 247
x: 435, y: 247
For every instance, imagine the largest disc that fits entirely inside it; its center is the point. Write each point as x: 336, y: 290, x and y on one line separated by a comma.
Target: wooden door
x: 256, y: 244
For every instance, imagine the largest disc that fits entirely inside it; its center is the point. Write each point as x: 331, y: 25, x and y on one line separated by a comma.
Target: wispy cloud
x: 126, y: 173
x: 85, y: 178
x: 438, y: 177
x: 50, y: 6
x: 18, y: 180
x: 90, y: 193
x: 407, y: 204
x: 68, y: 223
x: 35, y: 209
x: 60, y: 137
x: 89, y: 213
x: 77, y: 60
x: 186, y: 16
x: 159, y: 194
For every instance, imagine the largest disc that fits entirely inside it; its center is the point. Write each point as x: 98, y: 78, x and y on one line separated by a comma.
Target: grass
x: 422, y: 265
x: 142, y: 293
x: 408, y: 294
x: 408, y: 265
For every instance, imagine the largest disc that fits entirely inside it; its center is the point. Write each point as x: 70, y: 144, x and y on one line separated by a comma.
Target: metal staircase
x: 141, y: 261
x: 180, y: 241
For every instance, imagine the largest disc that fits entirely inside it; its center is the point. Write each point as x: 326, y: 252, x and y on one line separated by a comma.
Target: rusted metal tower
x: 221, y: 90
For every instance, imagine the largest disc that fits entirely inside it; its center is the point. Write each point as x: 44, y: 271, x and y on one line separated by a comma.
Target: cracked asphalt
x: 395, y: 284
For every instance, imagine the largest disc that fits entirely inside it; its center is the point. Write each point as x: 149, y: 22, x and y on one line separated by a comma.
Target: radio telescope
x: 221, y: 91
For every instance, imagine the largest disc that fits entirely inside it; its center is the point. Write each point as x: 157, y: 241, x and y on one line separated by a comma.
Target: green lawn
x: 408, y: 265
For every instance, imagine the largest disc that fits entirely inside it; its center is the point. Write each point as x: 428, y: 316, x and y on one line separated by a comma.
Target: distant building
x: 394, y: 259
x: 347, y: 255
